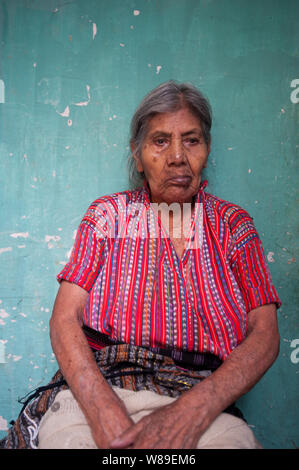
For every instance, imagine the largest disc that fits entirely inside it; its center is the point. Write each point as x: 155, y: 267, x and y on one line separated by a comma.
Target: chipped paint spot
x: 65, y: 113
x: 2, y: 92
x: 84, y: 103
x: 3, y: 313
x: 70, y: 123
x: 21, y: 246
x: 49, y: 238
x: 136, y: 12
x: 94, y: 30
x: 16, y: 358
x: 270, y: 257
x: 4, y: 250
x: 249, y: 170
x: 158, y: 68
x: 3, y: 424
x: 20, y: 235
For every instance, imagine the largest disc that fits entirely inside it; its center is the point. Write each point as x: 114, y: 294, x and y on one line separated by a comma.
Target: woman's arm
x: 181, y: 424
x: 102, y: 408
x: 245, y: 366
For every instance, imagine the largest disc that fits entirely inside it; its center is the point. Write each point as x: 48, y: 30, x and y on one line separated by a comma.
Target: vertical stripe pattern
x: 142, y: 293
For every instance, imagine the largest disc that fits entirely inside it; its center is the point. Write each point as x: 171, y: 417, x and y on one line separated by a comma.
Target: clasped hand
x: 168, y: 427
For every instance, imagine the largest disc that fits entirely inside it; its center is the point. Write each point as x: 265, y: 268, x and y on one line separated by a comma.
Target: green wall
x: 71, y: 75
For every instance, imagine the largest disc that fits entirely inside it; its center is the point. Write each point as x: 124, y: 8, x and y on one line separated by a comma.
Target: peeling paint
x: 94, y: 30
x: 16, y: 358
x: 20, y: 235
x: 2, y: 92
x: 85, y: 103
x: 4, y: 250
x: 65, y: 113
x: 55, y: 238
x: 3, y: 424
x: 3, y: 313
x: 270, y: 257
x: 51, y: 238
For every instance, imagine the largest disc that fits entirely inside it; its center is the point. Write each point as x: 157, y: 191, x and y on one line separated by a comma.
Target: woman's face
x: 173, y: 155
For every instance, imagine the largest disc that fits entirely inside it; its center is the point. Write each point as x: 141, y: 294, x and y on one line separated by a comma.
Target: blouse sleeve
x: 87, y: 254
x: 250, y: 266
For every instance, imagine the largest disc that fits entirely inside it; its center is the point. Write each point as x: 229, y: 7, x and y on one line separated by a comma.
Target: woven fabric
x: 141, y: 292
x: 124, y: 366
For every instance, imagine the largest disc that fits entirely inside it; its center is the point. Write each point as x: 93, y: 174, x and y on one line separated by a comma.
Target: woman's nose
x: 176, y: 152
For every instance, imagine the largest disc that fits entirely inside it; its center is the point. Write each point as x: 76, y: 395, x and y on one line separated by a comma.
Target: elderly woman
x: 160, y: 323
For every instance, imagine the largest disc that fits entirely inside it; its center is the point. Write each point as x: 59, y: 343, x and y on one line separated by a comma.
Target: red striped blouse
x: 141, y: 292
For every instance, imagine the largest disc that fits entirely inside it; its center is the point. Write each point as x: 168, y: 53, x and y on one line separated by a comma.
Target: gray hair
x: 166, y: 98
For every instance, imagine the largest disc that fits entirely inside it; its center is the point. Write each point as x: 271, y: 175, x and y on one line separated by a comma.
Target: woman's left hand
x: 169, y: 427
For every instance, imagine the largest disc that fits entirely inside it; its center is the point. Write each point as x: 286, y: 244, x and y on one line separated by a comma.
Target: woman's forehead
x: 182, y: 120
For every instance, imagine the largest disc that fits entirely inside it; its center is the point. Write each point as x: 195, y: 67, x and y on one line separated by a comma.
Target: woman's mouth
x: 179, y: 180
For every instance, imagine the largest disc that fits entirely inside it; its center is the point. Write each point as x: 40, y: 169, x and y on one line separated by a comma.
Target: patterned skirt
x: 125, y: 366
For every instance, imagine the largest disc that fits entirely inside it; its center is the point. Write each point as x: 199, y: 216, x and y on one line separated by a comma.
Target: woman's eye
x: 160, y: 141
x: 192, y: 140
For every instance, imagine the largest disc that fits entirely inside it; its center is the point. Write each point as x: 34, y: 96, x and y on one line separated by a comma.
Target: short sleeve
x: 248, y: 262
x: 87, y: 254
x: 253, y: 276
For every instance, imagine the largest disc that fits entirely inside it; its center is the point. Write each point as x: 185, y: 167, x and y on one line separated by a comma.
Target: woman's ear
x: 135, y: 155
